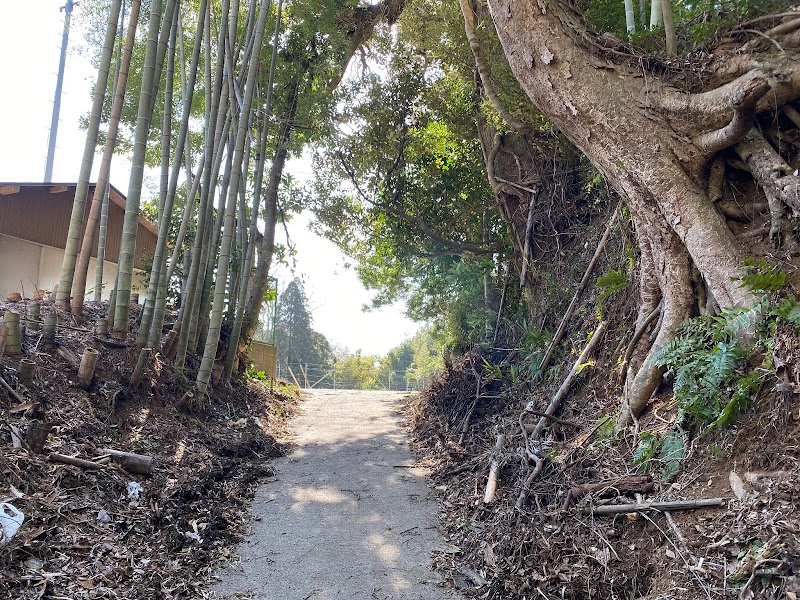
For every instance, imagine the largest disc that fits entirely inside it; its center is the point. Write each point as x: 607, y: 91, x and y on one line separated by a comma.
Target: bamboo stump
x: 13, y: 341
x: 130, y: 461
x: 32, y: 322
x: 101, y: 327
x: 36, y: 436
x: 49, y: 329
x: 27, y: 370
x: 141, y: 365
x: 87, y: 366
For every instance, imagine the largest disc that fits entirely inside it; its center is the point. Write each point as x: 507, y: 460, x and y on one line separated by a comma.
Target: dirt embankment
x: 106, y: 532
x: 554, y: 546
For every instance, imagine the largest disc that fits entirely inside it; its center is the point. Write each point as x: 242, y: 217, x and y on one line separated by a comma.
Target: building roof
x: 40, y: 212
x: 116, y: 196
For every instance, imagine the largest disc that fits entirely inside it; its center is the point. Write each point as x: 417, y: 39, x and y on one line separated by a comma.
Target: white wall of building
x: 38, y: 266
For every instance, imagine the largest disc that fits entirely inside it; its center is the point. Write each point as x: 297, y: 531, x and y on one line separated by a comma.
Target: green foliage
x: 788, y: 310
x: 704, y: 361
x: 610, y: 283
x: 646, y: 450
x: 762, y: 276
x: 667, y: 451
x: 694, y: 22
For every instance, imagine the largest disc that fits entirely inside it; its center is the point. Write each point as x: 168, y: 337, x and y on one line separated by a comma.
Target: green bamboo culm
x: 249, y: 258
x: 143, y: 117
x: 100, y: 198
x: 82, y: 187
x: 213, y: 154
x: 215, y: 325
x: 159, y: 289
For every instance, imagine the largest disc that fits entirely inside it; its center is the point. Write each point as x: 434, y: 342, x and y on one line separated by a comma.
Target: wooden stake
x: 141, y: 365
x: 3, y: 338
x: 87, y: 366
x: 13, y: 347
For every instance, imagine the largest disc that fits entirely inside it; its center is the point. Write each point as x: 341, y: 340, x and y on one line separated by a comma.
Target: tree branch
x: 483, y: 70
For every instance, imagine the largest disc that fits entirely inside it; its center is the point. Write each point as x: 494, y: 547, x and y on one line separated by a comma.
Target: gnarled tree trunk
x: 653, y: 144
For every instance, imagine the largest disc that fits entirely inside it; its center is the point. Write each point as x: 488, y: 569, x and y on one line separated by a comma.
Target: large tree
x: 660, y: 137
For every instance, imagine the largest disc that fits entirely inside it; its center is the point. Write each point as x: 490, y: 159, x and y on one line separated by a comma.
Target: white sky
x: 30, y: 40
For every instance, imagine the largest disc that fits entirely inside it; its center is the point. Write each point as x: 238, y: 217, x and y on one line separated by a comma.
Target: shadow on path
x: 348, y: 516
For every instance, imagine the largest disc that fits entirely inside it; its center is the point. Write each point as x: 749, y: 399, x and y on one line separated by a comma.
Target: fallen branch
x: 573, y: 374
x: 615, y: 509
x: 562, y: 327
x: 71, y: 460
x: 556, y: 420
x: 494, y: 469
x: 551, y: 409
x: 11, y: 391
x: 111, y: 343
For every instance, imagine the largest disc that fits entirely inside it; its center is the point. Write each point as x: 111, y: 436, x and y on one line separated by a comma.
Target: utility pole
x: 51, y: 142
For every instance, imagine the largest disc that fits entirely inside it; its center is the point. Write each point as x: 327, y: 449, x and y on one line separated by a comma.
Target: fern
x: 762, y: 276
x: 788, y: 310
x: 738, y: 319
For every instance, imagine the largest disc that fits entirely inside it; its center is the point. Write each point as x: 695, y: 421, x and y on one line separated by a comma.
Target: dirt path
x: 345, y: 517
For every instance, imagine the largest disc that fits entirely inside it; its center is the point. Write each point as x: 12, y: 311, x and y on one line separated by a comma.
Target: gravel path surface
x: 348, y: 516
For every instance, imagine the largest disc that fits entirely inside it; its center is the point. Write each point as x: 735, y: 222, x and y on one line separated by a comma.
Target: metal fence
x: 328, y: 377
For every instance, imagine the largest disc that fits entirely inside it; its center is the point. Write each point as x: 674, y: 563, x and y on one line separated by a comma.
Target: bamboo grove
x: 216, y: 93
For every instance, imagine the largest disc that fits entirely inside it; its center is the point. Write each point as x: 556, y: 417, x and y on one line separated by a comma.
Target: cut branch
x: 613, y: 509
x: 562, y: 327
